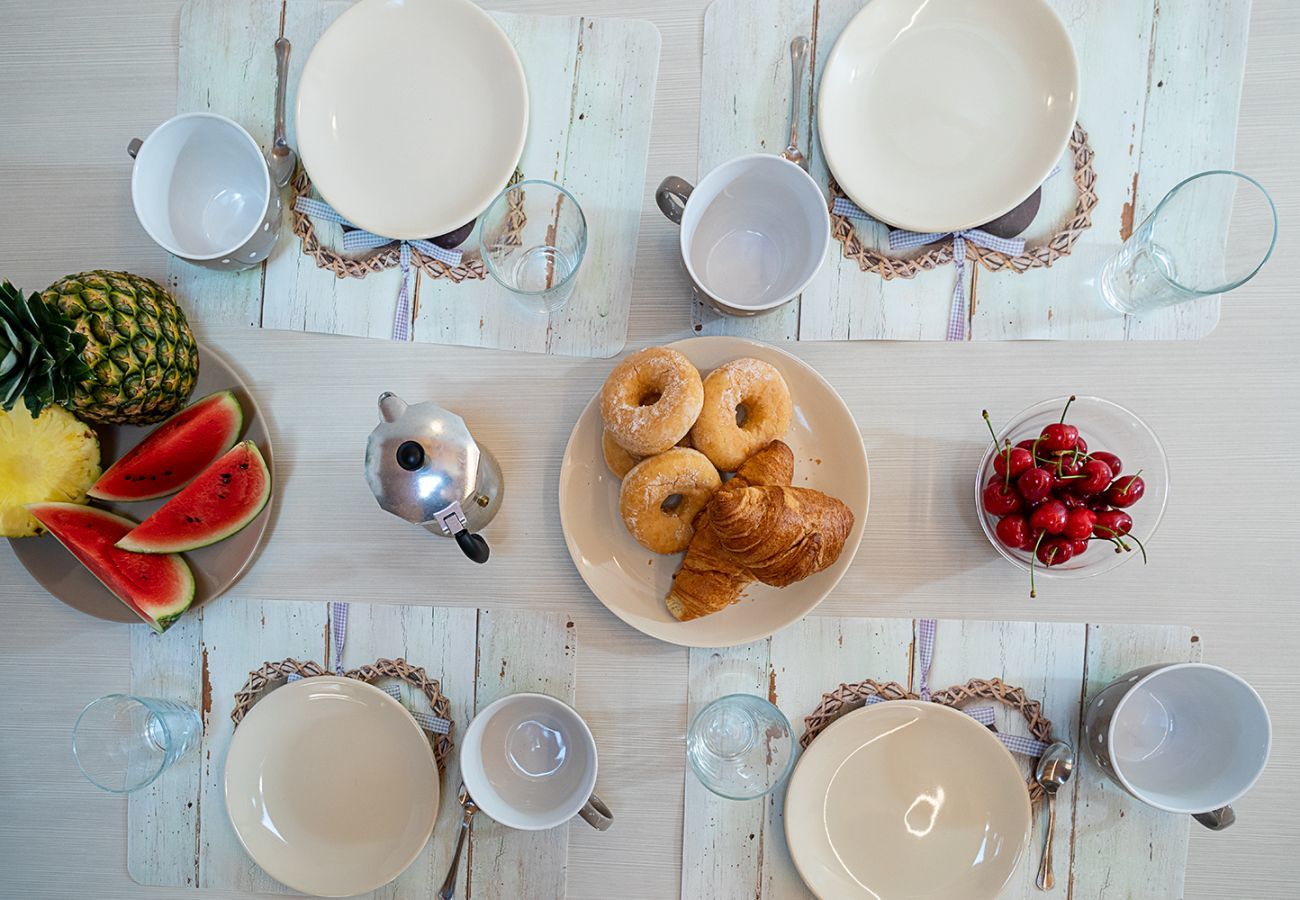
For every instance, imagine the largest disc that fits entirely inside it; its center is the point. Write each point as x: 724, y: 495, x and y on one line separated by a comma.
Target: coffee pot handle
x: 1216, y: 819
x: 473, y: 546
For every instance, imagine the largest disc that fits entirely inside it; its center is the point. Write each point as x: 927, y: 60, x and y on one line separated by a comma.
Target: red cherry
x: 1055, y: 552
x: 1079, y: 524
x: 1049, y: 516
x: 1081, y: 445
x: 1000, y: 500
x: 1079, y: 547
x: 1111, y: 460
x: 1027, y: 444
x: 1126, y: 491
x: 1013, y: 531
x: 1058, y: 436
x: 1097, y: 476
x: 1020, y: 459
x: 1034, y: 484
x: 1111, y: 522
x: 1071, y: 499
x: 1063, y: 468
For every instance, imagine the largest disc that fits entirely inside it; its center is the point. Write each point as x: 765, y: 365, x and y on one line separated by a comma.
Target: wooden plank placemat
x: 591, y: 87
x: 1155, y: 112
x: 1107, y: 843
x: 178, y: 832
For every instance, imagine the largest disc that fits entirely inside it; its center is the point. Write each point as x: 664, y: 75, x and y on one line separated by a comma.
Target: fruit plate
x: 632, y: 582
x: 215, y: 567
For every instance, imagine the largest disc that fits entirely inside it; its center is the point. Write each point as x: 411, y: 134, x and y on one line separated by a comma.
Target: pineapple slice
x: 51, y: 457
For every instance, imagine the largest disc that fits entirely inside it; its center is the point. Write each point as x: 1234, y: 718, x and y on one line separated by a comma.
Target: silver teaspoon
x: 798, y: 68
x: 282, y: 159
x: 1054, y: 769
x: 448, y: 889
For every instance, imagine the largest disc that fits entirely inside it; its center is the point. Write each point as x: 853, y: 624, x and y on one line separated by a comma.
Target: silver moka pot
x: 424, y: 466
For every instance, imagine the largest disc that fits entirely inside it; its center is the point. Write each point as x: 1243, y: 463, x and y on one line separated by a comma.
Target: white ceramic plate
x: 331, y: 786
x: 411, y: 115
x: 936, y: 115
x: 632, y: 582
x: 906, y: 799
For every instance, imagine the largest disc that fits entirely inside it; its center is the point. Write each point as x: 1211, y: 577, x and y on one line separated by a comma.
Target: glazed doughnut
x: 643, y: 501
x: 651, y: 400
x: 617, y: 457
x: 748, y: 390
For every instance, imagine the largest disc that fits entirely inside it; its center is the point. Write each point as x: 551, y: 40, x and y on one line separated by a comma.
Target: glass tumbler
x: 1184, y: 249
x: 532, y: 239
x: 123, y: 743
x: 740, y: 746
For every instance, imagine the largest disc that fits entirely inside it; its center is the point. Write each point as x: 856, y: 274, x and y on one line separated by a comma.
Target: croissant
x: 710, y: 579
x: 780, y: 534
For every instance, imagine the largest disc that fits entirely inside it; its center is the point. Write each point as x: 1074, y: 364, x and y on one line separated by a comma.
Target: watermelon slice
x: 156, y: 588
x: 175, y: 452
x: 223, y: 499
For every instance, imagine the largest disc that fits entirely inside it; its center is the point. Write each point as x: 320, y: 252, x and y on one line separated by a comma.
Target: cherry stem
x: 1034, y: 451
x: 1118, y: 538
x: 1006, y: 482
x: 1033, y: 558
x: 1067, y: 408
x: 1123, y: 492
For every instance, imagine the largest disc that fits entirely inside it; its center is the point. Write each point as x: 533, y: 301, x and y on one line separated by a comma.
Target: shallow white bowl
x: 411, y: 115
x: 937, y: 115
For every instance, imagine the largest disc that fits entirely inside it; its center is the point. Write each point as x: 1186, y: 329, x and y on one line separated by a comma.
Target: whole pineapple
x: 112, y: 347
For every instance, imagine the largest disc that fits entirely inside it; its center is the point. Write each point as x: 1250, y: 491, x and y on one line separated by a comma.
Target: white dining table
x: 79, y: 78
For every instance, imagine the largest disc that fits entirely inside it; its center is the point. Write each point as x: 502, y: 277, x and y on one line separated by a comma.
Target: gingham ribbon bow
x: 360, y: 239
x: 339, y: 636
x: 910, y: 240
x: 926, y: 629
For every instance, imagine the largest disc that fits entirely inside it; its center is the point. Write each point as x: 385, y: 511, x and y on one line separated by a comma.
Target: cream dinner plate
x: 411, y: 115
x: 632, y: 582
x: 331, y: 786
x: 906, y: 799
x: 938, y: 115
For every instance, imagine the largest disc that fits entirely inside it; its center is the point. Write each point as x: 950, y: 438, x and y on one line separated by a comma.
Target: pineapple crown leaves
x: 40, y: 352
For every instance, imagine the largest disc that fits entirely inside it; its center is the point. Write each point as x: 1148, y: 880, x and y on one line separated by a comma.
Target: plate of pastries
x: 713, y: 491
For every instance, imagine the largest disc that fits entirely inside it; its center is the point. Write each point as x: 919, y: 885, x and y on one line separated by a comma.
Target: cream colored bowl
x: 906, y: 799
x: 411, y: 115
x: 632, y: 582
x: 331, y: 786
x: 936, y: 115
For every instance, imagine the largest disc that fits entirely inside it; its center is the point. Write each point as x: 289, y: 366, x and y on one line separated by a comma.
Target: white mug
x: 529, y: 762
x: 1182, y: 737
x: 754, y: 232
x: 203, y: 192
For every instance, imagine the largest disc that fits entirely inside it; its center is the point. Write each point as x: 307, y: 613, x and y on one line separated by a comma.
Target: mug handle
x: 597, y: 814
x: 1216, y: 819
x: 672, y: 195
x: 133, y: 148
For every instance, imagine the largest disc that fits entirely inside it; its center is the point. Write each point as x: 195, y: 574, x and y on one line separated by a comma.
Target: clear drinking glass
x: 123, y: 743
x: 1184, y: 249
x: 740, y: 746
x: 532, y: 239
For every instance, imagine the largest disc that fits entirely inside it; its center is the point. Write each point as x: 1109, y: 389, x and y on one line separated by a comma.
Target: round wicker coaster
x: 848, y: 697
x: 940, y: 253
x: 274, y: 673
x: 386, y: 257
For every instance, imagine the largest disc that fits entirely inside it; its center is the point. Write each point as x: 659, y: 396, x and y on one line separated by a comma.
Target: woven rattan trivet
x: 271, y: 674
x: 1040, y: 255
x: 848, y: 697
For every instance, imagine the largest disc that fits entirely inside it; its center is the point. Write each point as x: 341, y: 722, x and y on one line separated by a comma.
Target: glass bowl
x: 1105, y: 426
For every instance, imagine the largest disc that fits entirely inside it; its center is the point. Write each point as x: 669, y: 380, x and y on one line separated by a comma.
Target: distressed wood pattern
x: 1160, y: 88
x: 591, y: 97
x: 179, y: 833
x: 737, y: 850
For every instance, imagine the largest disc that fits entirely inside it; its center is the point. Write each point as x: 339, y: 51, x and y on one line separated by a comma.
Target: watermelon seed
x: 167, y: 471
x: 243, y: 465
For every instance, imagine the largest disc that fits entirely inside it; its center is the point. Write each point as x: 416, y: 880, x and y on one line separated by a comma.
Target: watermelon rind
x: 160, y: 615
x: 115, y: 485
x: 152, y: 536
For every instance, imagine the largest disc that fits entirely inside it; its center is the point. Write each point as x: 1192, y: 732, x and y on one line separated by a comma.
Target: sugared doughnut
x: 746, y: 407
x: 662, y: 495
x: 651, y: 400
x: 619, y: 460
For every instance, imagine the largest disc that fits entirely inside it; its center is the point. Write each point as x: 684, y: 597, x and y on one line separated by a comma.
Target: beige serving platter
x: 906, y: 799
x: 331, y: 786
x: 632, y: 582
x: 215, y: 567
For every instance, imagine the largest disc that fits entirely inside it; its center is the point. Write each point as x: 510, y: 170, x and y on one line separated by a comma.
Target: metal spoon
x: 1054, y: 769
x: 283, y: 160
x: 448, y: 889
x: 798, y: 67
